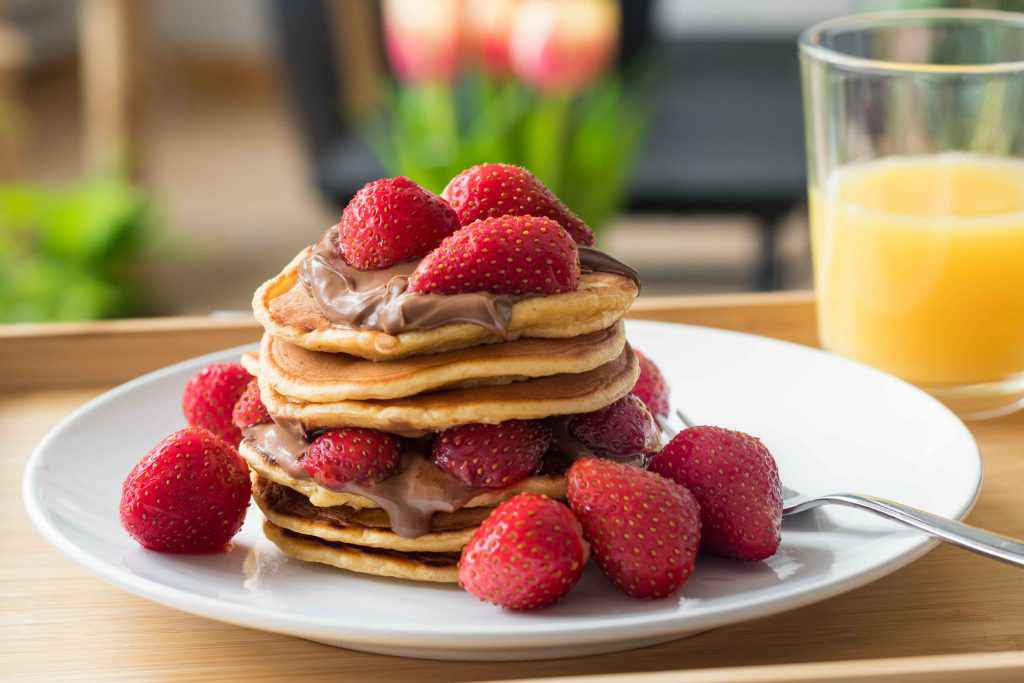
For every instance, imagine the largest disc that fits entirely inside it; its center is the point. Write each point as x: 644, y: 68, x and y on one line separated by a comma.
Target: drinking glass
x: 915, y: 148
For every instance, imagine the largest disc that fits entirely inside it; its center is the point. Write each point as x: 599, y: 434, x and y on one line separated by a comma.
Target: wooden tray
x: 957, y: 616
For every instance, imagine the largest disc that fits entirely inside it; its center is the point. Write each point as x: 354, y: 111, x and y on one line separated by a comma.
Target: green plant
x: 70, y: 254
x: 581, y: 146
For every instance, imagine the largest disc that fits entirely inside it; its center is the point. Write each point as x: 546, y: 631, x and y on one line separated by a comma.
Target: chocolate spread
x: 420, y: 488
x: 380, y: 300
x: 410, y: 497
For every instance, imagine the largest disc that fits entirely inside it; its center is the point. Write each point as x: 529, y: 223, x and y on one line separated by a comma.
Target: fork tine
x: 687, y: 422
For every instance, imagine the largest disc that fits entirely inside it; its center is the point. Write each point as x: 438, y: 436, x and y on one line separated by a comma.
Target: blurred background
x: 163, y: 157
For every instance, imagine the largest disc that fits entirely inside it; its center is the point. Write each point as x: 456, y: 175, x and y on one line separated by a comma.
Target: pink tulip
x: 489, y: 23
x: 564, y: 45
x: 424, y: 38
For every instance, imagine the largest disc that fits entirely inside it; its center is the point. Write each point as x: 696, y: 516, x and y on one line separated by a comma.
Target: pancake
x: 286, y: 311
x: 412, y: 566
x: 551, y: 485
x: 279, y: 506
x: 562, y: 394
x: 318, y: 377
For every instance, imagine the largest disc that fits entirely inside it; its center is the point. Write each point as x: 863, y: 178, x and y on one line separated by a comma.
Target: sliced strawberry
x: 517, y: 255
x: 736, y: 481
x: 651, y: 386
x: 491, y: 190
x: 643, y: 528
x: 526, y: 555
x: 624, y: 428
x: 249, y: 410
x: 187, y: 495
x: 210, y: 397
x: 352, y: 454
x: 392, y: 220
x: 492, y: 456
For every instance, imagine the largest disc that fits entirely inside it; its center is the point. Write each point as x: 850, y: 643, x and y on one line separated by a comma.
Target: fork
x: 987, y: 543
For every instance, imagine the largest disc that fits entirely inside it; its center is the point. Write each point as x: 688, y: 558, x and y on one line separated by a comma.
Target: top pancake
x: 324, y: 377
x: 286, y: 311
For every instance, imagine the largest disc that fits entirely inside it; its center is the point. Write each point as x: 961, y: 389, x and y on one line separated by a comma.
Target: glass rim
x: 810, y: 41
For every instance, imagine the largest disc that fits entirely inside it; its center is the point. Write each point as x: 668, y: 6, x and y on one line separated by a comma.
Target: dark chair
x: 726, y: 134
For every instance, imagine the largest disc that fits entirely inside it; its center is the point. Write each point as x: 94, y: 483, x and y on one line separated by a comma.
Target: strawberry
x: 651, y: 386
x: 490, y: 190
x: 624, y: 428
x: 249, y: 410
x: 736, y: 481
x: 527, y: 554
x: 515, y: 255
x: 643, y: 528
x: 211, y: 396
x: 187, y: 495
x: 392, y: 220
x: 492, y: 456
x: 352, y: 454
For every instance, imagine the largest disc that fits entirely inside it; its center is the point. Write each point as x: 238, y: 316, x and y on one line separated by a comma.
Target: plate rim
x: 531, y: 633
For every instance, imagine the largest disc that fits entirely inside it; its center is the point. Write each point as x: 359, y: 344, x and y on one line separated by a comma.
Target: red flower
x: 564, y: 45
x: 424, y: 39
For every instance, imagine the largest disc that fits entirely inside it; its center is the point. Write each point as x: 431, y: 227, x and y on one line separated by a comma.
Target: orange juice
x: 919, y: 266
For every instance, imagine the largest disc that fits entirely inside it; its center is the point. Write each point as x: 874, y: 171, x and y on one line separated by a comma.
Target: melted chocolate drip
x: 420, y: 488
x: 410, y: 497
x: 380, y: 300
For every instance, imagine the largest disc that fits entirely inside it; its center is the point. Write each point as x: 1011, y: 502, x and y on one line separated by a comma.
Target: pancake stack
x: 347, y: 348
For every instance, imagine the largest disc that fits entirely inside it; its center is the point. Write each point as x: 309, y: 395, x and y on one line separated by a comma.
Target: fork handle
x: 1003, y: 548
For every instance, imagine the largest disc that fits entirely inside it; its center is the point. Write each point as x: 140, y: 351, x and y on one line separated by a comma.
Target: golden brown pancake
x: 562, y: 394
x: 286, y: 311
x: 413, y: 566
x: 319, y: 377
x: 289, y: 510
x: 551, y: 485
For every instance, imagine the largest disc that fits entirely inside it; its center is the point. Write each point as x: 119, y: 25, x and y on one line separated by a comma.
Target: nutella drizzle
x: 410, y: 497
x: 420, y: 488
x: 380, y: 300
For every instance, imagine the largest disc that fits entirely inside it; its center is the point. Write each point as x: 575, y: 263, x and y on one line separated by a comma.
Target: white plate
x: 832, y: 424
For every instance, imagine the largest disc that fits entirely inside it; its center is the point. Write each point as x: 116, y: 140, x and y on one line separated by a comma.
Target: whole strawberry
x: 492, y: 456
x: 624, y: 428
x: 249, y: 410
x: 736, y: 481
x: 490, y: 190
x: 651, y: 386
x: 526, y: 555
x: 517, y: 255
x: 643, y: 528
x: 392, y: 220
x: 187, y: 495
x: 210, y: 398
x: 352, y: 454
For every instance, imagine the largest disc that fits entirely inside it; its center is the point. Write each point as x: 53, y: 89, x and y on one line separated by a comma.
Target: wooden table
x: 58, y: 622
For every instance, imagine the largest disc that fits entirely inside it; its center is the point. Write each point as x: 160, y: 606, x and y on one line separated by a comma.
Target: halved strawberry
x: 526, y: 555
x: 392, y: 220
x: 492, y: 456
x: 517, y: 255
x: 352, y: 454
x: 491, y: 190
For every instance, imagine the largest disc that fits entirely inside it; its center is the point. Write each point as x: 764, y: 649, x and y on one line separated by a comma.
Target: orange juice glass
x: 915, y: 145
